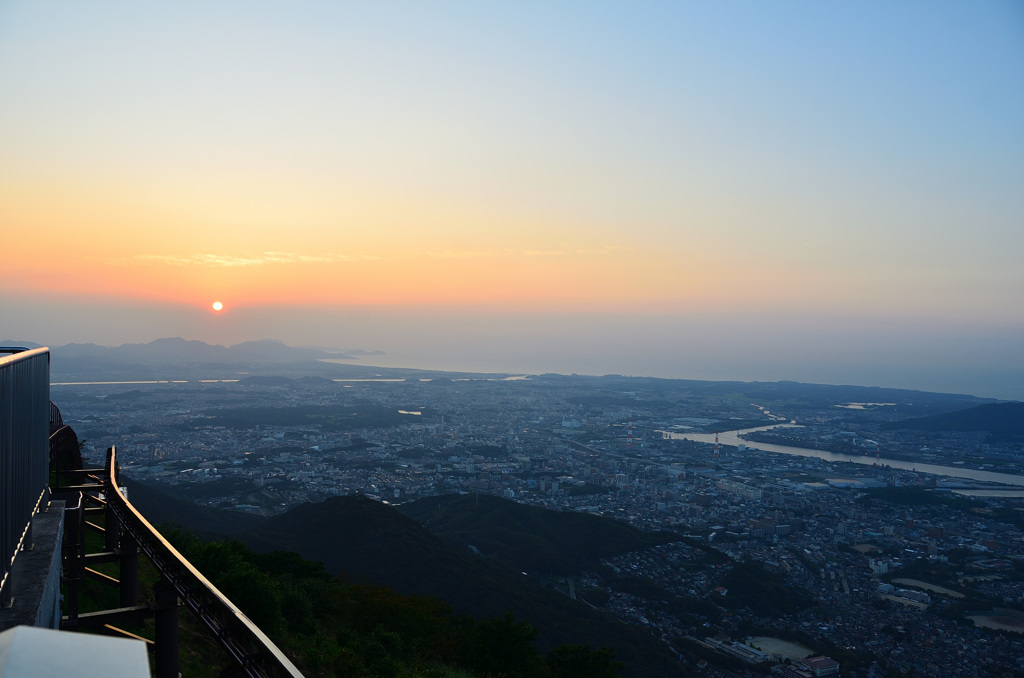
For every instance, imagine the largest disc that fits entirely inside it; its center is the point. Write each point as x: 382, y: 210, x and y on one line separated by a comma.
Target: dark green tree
x: 504, y: 647
x: 579, y: 661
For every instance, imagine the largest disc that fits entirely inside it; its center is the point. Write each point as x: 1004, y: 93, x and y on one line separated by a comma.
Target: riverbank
x: 734, y: 439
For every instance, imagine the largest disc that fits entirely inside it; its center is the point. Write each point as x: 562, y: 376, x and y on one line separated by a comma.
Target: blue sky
x: 834, y: 186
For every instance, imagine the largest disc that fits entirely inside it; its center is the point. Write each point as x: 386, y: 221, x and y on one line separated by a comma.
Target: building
x: 812, y: 667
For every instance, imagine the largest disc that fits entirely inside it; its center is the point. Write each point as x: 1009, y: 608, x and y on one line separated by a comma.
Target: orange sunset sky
x: 819, y: 192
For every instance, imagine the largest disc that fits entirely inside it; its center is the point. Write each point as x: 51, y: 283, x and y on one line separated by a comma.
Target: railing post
x: 166, y: 630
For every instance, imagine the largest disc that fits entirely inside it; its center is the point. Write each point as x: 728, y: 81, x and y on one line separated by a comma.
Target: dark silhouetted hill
x: 162, y: 508
x: 358, y: 538
x: 1002, y: 421
x: 175, y: 350
x: 527, y: 537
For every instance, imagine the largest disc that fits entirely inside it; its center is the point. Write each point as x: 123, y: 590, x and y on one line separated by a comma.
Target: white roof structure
x: 33, y: 652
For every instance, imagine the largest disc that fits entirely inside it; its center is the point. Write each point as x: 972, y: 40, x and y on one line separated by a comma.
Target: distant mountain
x: 176, y: 350
x: 172, y: 350
x: 607, y: 391
x: 799, y: 395
x: 176, y: 358
x: 1002, y: 421
x: 528, y: 537
x: 83, y: 352
x: 19, y: 344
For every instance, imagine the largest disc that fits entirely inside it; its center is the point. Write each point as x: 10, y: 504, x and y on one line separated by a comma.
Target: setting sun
x: 437, y: 184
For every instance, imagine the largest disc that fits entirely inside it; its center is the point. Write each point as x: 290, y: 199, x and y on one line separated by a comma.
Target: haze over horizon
x: 799, y: 191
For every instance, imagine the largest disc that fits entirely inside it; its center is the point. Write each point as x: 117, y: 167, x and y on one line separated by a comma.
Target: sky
x: 823, y: 192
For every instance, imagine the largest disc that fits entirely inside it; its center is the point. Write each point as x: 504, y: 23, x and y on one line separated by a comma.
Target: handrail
x: 257, y: 655
x: 24, y: 450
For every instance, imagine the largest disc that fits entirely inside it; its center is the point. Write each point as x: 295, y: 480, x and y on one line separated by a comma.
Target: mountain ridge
x: 360, y: 539
x: 178, y: 358
x: 1001, y: 421
x: 177, y: 349
x: 526, y: 537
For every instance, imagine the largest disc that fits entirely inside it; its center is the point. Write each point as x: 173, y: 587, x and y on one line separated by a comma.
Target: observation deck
x: 48, y: 504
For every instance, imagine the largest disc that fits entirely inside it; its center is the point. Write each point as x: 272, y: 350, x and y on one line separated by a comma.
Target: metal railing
x: 27, y: 420
x: 255, y: 653
x: 24, y: 451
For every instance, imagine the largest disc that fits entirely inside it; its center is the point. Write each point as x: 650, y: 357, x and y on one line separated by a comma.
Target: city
x: 886, y: 570
x: 603, y: 339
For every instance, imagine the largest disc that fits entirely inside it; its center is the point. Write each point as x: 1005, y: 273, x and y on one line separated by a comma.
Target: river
x: 733, y: 438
